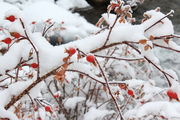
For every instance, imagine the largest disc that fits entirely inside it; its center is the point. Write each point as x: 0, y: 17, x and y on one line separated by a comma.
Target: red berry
x: 39, y: 118
x: 7, y: 40
x: 33, y: 22
x: 15, y: 34
x: 56, y: 96
x: 162, y: 117
x: 11, y: 18
x: 142, y: 102
x: 24, y: 64
x: 34, y: 65
x: 131, y: 93
x: 71, y: 51
x: 90, y: 58
x: 35, y: 109
x: 172, y: 94
x: 48, y: 109
x: 123, y: 86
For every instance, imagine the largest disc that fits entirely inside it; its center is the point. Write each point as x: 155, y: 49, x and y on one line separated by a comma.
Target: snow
x: 72, y: 102
x: 4, y: 7
x: 162, y: 108
x: 93, y: 41
x: 75, y: 24
x: 162, y: 28
x: 7, y: 114
x: 14, y: 90
x: 68, y: 4
x: 14, y: 54
x: 94, y: 114
x: 125, y: 68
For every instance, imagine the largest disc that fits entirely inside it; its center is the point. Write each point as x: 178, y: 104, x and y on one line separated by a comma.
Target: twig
x: 103, y: 103
x: 147, y: 59
x: 110, y: 30
x: 109, y: 89
x: 45, y: 30
x: 167, y: 36
x: 109, y: 46
x: 17, y: 72
x: 36, y: 50
x: 25, y: 91
x: 101, y: 30
x: 168, y: 48
x: 58, y: 102
x: 168, y: 14
x: 83, y: 73
x: 117, y: 58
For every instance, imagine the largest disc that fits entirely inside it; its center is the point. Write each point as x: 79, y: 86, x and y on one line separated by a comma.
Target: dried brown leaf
x: 166, y: 41
x: 129, y: 15
x: 151, y: 37
x: 147, y: 47
x: 99, y: 23
x: 144, y: 41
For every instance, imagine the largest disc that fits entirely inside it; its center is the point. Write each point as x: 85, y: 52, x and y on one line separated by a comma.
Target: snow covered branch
x: 113, y: 65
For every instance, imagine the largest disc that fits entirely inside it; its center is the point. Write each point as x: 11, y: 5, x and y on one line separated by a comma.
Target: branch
x: 46, y: 30
x: 83, y: 73
x: 168, y: 14
x: 147, y: 59
x: 117, y: 58
x: 168, y: 48
x: 109, y: 89
x: 110, y: 30
x: 15, y: 99
x: 34, y: 47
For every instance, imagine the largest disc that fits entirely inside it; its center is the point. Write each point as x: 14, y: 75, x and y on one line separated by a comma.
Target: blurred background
x: 98, y: 7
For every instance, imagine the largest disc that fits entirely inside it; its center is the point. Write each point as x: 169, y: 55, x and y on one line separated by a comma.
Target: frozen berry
x: 15, y: 34
x: 172, y: 94
x: 34, y: 65
x: 71, y: 51
x: 90, y: 58
x: 131, y: 93
x: 33, y: 22
x: 39, y: 118
x: 11, y: 18
x: 56, y: 96
x: 7, y: 40
x: 48, y: 109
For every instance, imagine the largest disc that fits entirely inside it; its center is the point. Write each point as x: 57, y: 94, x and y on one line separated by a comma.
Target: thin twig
x: 34, y: 47
x: 83, y: 73
x: 58, y: 102
x: 110, y: 30
x: 168, y: 14
x: 168, y: 48
x: 46, y: 30
x: 147, y: 59
x: 25, y: 91
x: 117, y: 58
x: 109, y: 89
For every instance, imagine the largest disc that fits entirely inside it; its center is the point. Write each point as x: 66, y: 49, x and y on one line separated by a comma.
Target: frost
x: 4, y: 7
x: 73, y: 23
x: 69, y: 4
x: 72, y: 102
x: 94, y: 114
x: 165, y: 109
